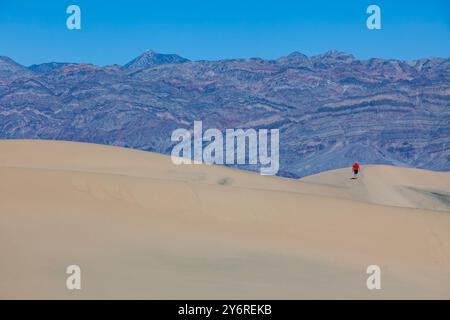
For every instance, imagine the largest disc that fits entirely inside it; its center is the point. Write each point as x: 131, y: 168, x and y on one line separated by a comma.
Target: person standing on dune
x: 355, y: 170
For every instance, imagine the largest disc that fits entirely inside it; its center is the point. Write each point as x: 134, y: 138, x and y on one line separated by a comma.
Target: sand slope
x: 392, y: 186
x: 141, y: 227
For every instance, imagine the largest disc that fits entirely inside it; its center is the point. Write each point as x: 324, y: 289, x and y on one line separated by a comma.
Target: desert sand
x: 141, y: 227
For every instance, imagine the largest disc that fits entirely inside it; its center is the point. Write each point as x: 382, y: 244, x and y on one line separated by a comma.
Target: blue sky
x: 115, y: 31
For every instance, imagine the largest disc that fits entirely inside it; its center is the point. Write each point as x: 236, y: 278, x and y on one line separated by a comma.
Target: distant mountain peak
x: 7, y: 60
x: 48, y: 67
x: 294, y: 57
x: 337, y: 55
x: 297, y: 54
x: 151, y: 58
x: 330, y: 56
x: 9, y: 69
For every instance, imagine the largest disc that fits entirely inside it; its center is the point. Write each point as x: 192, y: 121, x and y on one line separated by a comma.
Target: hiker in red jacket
x: 355, y: 170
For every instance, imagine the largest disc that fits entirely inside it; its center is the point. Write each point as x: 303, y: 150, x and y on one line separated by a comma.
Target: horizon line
x: 228, y: 59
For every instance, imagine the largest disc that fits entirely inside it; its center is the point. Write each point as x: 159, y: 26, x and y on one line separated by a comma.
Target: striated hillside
x: 332, y: 109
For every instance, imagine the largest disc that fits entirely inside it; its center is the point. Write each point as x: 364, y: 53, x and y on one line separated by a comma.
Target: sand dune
x: 391, y: 186
x: 141, y: 227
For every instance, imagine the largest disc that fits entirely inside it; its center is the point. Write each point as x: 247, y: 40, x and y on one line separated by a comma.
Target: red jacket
x: 356, y: 166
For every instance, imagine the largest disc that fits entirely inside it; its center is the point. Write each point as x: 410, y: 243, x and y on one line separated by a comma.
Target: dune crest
x: 141, y: 227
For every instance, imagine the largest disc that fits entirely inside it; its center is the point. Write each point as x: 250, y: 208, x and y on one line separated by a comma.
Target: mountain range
x: 332, y: 109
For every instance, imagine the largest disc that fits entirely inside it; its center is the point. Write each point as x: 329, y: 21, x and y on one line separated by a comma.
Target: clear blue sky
x: 116, y: 31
